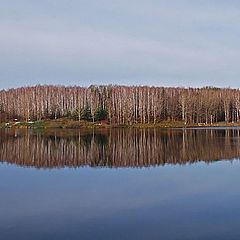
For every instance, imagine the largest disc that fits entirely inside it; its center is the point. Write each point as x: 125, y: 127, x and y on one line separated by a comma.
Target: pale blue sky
x: 153, y: 42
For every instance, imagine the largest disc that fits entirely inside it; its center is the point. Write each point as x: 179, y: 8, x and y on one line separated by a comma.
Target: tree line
x: 121, y: 104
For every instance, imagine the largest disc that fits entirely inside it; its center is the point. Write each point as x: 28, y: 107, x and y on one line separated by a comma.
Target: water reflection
x: 117, y: 147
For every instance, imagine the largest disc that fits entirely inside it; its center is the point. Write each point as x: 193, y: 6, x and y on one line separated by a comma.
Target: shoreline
x: 71, y: 124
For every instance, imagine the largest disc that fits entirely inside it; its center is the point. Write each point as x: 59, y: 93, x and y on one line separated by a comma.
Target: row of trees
x: 121, y: 104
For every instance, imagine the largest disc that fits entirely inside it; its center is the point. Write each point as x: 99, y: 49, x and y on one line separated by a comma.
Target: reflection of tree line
x: 118, y: 147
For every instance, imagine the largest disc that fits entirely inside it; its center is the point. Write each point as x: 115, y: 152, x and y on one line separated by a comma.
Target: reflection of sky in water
x: 172, y: 202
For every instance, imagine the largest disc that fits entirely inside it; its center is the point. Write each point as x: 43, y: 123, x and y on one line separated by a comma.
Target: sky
x: 190, y: 43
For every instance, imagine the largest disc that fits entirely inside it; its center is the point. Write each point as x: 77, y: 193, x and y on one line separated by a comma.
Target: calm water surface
x: 120, y: 184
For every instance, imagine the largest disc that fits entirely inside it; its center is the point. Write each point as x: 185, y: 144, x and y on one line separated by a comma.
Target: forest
x: 121, y: 104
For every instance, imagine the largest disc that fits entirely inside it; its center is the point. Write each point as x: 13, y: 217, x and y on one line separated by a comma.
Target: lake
x: 120, y: 184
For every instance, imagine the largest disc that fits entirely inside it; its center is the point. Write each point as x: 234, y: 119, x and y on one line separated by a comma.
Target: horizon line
x: 116, y: 85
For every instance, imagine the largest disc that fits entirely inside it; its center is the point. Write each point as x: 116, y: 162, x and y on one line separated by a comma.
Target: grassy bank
x: 59, y: 123
x: 71, y: 124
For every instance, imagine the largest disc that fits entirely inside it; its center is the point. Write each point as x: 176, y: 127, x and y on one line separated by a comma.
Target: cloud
x: 140, y: 42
